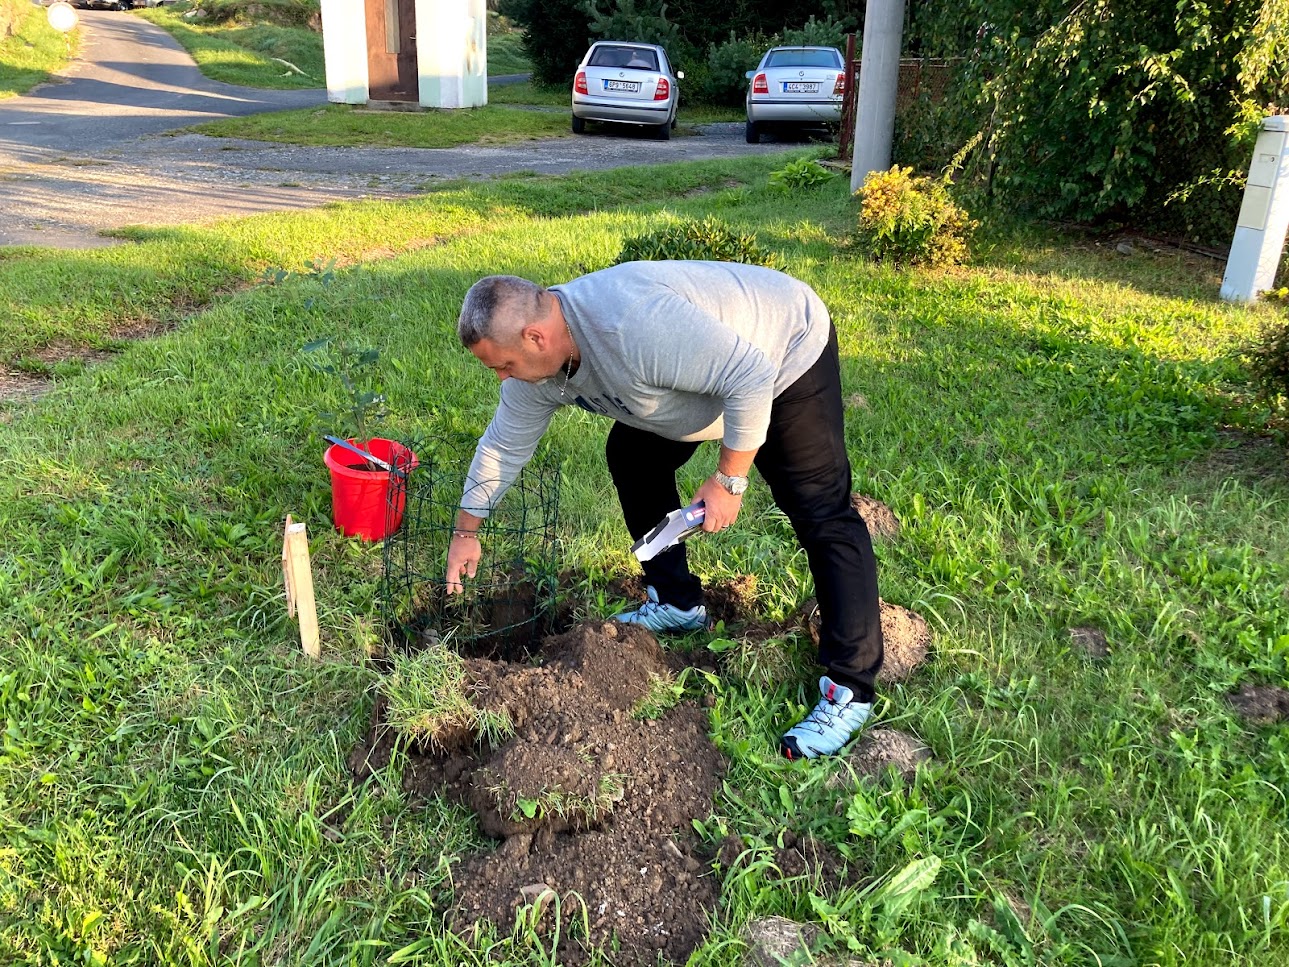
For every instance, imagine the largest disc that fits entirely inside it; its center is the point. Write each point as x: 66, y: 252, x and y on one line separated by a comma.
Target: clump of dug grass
x: 429, y: 702
x: 664, y: 692
x: 710, y: 240
x: 911, y: 220
x: 574, y: 809
x: 764, y: 661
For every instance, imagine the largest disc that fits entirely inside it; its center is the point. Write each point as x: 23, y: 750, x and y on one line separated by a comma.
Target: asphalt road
x: 91, y: 152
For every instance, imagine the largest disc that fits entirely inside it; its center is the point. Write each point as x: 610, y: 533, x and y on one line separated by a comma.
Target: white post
x: 344, y: 51
x: 452, y: 52
x: 1264, y: 217
x: 879, y: 82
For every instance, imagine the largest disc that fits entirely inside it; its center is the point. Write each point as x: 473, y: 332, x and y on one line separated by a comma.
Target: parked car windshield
x: 636, y: 58
x: 803, y: 58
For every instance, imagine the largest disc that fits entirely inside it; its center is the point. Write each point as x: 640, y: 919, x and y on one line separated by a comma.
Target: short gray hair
x: 497, y: 307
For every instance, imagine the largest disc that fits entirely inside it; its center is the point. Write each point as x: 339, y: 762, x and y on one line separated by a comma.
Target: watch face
x: 735, y: 485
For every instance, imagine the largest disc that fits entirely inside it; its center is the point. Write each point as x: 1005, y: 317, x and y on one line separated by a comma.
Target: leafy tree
x: 557, y: 32
x: 1103, y: 110
x: 642, y: 20
x: 556, y: 35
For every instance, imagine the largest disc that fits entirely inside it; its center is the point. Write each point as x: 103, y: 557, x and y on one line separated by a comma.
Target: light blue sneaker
x: 832, y: 723
x: 664, y: 617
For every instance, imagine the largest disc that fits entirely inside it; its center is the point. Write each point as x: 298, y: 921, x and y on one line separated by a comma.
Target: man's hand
x: 721, y: 506
x: 463, y: 559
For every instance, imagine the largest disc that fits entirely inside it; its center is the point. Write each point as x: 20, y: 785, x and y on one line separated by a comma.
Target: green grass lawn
x: 691, y: 113
x: 250, y: 54
x: 1052, y: 426
x: 529, y: 93
x: 340, y: 124
x: 33, y: 53
x: 505, y: 50
x: 346, y: 126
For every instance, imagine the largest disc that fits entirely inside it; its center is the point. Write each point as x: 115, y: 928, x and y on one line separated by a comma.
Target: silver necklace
x: 568, y: 368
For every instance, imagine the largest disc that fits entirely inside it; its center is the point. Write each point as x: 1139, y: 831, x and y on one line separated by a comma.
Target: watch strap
x: 735, y: 485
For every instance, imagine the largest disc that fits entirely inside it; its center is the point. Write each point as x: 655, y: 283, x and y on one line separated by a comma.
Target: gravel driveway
x: 91, y: 151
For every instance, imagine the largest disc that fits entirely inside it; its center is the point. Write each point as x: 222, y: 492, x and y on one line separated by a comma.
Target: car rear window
x: 803, y: 58
x: 636, y: 58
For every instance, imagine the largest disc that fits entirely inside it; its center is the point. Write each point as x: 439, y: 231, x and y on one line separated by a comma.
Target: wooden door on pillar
x: 391, y: 50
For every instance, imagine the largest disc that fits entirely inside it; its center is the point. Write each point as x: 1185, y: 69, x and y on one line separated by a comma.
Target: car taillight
x: 760, y: 85
x: 840, y: 87
x: 579, y: 84
x: 663, y: 90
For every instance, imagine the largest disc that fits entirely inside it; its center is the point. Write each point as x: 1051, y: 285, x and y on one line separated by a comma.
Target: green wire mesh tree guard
x: 511, y: 602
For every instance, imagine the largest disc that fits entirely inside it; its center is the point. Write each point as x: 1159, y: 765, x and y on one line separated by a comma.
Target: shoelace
x: 821, y: 712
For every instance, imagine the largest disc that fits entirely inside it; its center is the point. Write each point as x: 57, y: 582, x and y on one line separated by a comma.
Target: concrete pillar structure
x: 1263, y: 224
x: 344, y: 50
x: 430, y: 52
x: 452, y: 49
x: 879, y: 83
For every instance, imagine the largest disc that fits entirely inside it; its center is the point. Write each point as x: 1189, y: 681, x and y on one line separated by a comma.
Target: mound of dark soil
x: 880, y: 751
x: 1261, y: 704
x: 881, y: 520
x: 594, y: 806
x: 1090, y: 641
x: 905, y: 633
x: 732, y: 600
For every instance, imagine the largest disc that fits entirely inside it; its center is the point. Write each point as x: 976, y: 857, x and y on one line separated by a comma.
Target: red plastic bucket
x: 360, y: 498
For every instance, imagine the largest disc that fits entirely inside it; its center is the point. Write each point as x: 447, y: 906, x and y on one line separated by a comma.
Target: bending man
x: 676, y: 353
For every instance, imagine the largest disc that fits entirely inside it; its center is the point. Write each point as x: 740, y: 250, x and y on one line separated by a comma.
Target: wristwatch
x: 735, y: 485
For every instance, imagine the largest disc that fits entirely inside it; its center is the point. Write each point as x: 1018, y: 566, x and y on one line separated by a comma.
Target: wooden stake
x: 297, y: 572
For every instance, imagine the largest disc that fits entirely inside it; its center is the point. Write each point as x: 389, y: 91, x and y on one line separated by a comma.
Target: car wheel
x: 664, y: 131
x: 579, y: 125
x: 752, y: 133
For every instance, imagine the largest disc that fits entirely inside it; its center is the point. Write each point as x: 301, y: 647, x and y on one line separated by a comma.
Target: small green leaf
x: 785, y: 798
x: 864, y: 818
x: 914, y: 878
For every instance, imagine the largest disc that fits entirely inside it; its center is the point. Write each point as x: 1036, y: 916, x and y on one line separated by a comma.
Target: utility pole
x: 879, y: 82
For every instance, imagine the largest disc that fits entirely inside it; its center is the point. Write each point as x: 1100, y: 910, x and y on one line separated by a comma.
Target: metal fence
x: 510, y: 603
x: 923, y: 81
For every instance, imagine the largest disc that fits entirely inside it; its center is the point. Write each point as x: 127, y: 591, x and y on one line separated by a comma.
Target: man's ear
x: 534, y: 337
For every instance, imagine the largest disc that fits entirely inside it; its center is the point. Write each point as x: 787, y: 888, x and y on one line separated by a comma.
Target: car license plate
x: 800, y: 87
x: 629, y: 86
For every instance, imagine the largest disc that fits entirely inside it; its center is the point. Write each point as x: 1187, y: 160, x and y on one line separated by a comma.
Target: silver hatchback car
x: 795, y: 87
x: 626, y: 83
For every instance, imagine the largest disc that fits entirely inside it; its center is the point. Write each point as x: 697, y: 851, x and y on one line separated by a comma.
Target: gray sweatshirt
x: 686, y: 350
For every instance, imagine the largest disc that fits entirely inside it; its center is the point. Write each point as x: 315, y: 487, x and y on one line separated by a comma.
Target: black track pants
x: 805, y: 464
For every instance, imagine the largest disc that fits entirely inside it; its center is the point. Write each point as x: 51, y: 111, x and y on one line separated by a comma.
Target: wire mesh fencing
x: 924, y: 83
x: 511, y: 601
